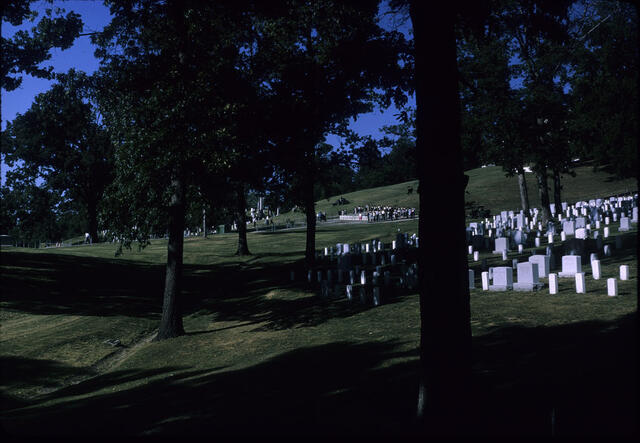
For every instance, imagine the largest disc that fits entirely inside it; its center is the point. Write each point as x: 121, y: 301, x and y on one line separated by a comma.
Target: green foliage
x: 170, y: 110
x: 61, y: 141
x: 604, y: 87
x: 25, y: 51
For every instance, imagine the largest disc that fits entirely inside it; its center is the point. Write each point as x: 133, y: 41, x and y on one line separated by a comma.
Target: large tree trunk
x: 310, y: 212
x: 557, y: 190
x: 171, y: 322
x: 445, y: 336
x: 241, y: 221
x: 524, y: 192
x: 92, y: 213
x: 543, y: 192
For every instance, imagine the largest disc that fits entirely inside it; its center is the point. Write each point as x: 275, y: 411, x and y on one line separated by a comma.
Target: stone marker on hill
x: 502, y: 278
x: 571, y: 264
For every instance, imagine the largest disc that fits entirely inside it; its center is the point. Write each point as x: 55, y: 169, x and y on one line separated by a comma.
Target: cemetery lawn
x: 264, y: 355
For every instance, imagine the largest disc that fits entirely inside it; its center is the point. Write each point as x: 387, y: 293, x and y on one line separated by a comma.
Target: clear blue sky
x: 80, y: 56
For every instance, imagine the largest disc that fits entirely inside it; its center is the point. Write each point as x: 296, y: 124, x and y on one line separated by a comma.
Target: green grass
x: 490, y: 187
x: 264, y: 355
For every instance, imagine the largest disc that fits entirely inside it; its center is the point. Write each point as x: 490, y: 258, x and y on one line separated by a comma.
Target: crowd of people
x: 382, y: 213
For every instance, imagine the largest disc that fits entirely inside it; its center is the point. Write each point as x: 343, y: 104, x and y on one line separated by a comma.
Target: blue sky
x: 80, y: 56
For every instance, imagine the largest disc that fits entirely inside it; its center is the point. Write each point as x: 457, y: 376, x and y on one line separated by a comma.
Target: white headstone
x: 553, y: 284
x: 485, y: 281
x: 612, y: 287
x: 502, y: 278
x: 571, y: 265
x: 502, y: 243
x: 606, y: 231
x: 581, y: 233
x: 568, y: 227
x: 471, y: 279
x: 476, y: 256
x: 595, y: 269
x: 543, y: 262
x: 607, y: 250
x: 363, y: 277
x: 606, y: 220
x: 624, y: 224
x: 527, y: 277
x: 563, y: 236
x: 504, y: 254
x: 520, y: 248
x: 550, y: 238
x: 580, y: 283
x: 624, y: 272
x: 470, y: 249
x: 597, y: 224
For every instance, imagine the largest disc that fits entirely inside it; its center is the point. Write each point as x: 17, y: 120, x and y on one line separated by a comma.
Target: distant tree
x: 492, y: 112
x: 604, y: 86
x: 170, y: 84
x: 61, y: 140
x: 539, y: 30
x: 28, y: 212
x: 330, y: 57
x: 25, y: 51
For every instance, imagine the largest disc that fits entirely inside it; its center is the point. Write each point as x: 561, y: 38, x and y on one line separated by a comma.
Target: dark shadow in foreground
x: 576, y: 379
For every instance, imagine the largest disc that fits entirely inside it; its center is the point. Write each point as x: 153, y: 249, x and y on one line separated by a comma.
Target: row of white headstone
x: 529, y: 273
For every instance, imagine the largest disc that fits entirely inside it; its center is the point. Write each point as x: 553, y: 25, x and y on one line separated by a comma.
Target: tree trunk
x: 557, y: 190
x: 445, y: 335
x: 92, y: 213
x: 240, y: 217
x: 543, y: 192
x: 171, y: 322
x: 310, y: 212
x: 524, y: 192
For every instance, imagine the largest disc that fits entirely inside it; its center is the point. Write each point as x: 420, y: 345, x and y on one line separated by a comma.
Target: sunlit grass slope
x: 490, y: 187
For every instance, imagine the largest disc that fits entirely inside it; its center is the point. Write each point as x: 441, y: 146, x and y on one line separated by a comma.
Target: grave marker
x: 502, y: 279
x: 553, y: 284
x: 580, y: 283
x: 571, y: 264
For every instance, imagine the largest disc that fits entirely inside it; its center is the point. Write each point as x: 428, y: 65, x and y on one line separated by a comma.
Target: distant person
x: 86, y: 238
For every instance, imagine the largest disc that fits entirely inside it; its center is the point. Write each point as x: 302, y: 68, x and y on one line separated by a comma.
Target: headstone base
x: 499, y: 288
x: 527, y: 287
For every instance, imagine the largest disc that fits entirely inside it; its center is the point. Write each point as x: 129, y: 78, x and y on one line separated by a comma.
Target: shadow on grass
x: 333, y: 388
x: 584, y: 372
x: 236, y: 291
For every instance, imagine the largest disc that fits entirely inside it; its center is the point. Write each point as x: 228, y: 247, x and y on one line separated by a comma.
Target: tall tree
x: 445, y: 333
x: 539, y: 30
x: 330, y: 57
x: 492, y: 110
x: 604, y: 86
x: 170, y: 82
x: 25, y: 51
x: 62, y: 140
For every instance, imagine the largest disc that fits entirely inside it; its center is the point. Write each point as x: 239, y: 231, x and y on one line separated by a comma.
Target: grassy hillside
x: 264, y: 351
x: 488, y: 187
